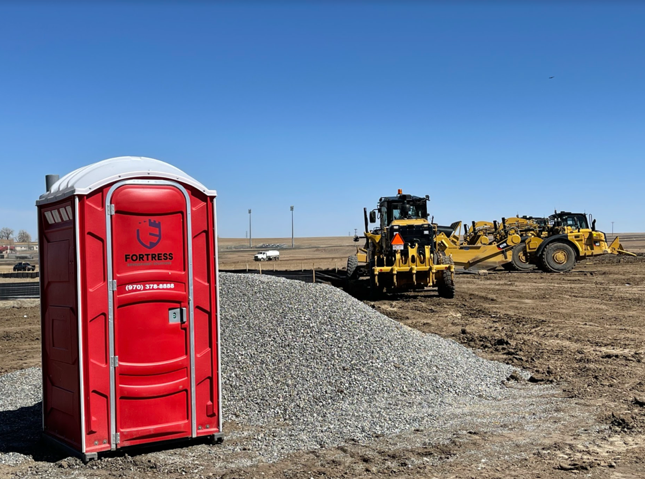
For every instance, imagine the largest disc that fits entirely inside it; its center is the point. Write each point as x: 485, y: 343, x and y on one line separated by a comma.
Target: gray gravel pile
x: 323, y: 367
x: 20, y: 415
x: 20, y: 389
x: 307, y: 366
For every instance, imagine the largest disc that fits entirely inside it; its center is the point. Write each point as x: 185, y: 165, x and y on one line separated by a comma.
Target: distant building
x: 7, y: 246
x: 22, y: 247
x: 10, y: 248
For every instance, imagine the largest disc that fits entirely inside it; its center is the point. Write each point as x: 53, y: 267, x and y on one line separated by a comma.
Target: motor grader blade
x: 616, y: 248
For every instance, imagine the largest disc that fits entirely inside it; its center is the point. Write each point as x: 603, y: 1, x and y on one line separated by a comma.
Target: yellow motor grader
x: 400, y: 254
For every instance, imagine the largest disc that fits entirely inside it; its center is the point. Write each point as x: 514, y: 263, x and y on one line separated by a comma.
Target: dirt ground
x: 582, y: 332
x: 19, y: 335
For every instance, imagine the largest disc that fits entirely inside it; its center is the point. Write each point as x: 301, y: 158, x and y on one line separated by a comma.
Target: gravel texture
x: 322, y: 367
x: 307, y: 366
x: 20, y: 389
x: 20, y: 415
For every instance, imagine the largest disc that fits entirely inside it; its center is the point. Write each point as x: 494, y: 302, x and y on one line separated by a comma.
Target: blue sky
x: 329, y: 105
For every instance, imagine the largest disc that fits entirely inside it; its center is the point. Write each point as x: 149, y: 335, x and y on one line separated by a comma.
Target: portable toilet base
x: 129, y: 307
x: 168, y: 444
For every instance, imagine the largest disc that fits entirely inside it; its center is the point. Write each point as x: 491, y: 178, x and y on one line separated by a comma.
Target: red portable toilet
x: 129, y: 307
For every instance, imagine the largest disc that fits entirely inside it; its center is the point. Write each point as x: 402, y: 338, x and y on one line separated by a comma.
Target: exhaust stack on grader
x: 400, y: 254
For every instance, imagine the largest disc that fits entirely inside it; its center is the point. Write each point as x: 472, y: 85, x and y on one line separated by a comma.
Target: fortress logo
x: 149, y: 235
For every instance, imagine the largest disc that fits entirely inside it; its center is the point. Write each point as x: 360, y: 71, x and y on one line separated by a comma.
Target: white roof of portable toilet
x: 87, y: 179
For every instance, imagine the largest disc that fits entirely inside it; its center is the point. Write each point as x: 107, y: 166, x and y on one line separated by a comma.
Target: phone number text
x: 148, y: 287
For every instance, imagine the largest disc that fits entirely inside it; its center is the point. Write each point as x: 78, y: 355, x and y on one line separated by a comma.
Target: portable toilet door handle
x: 177, y: 315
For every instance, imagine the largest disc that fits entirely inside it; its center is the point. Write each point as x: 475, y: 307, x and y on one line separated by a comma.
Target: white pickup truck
x: 267, y: 256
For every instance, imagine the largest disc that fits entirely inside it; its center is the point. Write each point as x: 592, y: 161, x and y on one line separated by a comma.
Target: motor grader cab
x: 568, y: 237
x: 400, y: 253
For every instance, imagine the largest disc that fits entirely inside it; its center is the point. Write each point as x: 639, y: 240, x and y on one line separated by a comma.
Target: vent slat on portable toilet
x: 129, y: 307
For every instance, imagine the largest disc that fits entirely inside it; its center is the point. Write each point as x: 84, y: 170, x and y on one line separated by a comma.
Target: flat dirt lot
x: 319, y: 253
x: 582, y: 332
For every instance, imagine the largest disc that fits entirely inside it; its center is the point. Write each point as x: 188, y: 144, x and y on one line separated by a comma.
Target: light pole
x: 250, y: 235
x: 292, y: 227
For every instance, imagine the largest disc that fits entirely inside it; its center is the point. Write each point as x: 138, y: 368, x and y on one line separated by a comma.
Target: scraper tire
x: 519, y: 259
x: 558, y: 257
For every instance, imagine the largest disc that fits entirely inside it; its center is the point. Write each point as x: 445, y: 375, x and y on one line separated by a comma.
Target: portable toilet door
x: 147, y: 327
x: 151, y: 318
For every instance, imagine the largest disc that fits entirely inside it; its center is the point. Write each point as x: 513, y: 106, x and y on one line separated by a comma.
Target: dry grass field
x: 581, y: 332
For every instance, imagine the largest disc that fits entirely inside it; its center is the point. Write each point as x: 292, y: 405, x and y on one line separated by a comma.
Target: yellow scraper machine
x: 400, y: 253
x: 552, y: 244
x: 566, y: 238
x: 488, y: 245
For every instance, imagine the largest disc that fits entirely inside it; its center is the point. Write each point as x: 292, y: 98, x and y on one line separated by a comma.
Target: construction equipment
x: 479, y: 249
x: 488, y: 245
x: 525, y: 227
x: 553, y: 244
x: 566, y: 238
x: 400, y: 254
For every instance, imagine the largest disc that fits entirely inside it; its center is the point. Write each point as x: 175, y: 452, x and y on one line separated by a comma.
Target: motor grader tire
x: 444, y: 279
x: 519, y: 259
x: 352, y: 267
x: 445, y: 284
x: 558, y: 257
